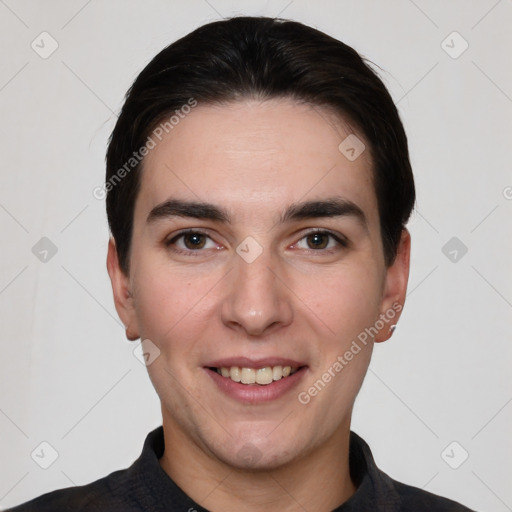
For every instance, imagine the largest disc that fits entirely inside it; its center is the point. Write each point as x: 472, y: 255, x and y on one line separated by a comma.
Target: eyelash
x: 341, y: 241
x: 181, y: 234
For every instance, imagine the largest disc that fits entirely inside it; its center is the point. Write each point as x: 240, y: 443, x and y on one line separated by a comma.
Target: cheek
x: 172, y: 305
x: 345, y: 300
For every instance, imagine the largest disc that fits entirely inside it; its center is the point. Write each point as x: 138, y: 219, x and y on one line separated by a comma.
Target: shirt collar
x: 375, y: 490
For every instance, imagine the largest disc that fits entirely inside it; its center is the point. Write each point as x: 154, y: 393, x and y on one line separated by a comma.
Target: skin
x: 254, y: 159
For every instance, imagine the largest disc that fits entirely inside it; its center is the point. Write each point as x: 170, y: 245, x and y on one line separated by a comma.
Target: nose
x: 257, y: 300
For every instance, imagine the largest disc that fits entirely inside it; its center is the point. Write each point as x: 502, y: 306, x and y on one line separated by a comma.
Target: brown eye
x: 318, y: 240
x: 194, y: 240
x: 321, y: 241
x: 192, y: 243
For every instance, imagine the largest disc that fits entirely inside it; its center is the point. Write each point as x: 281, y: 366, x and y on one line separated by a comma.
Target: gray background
x: 69, y: 378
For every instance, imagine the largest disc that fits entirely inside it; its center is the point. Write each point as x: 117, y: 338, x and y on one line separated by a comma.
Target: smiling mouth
x: 261, y: 376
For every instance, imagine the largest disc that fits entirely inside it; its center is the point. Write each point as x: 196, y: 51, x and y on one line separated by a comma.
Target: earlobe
x: 395, y: 289
x: 123, y: 299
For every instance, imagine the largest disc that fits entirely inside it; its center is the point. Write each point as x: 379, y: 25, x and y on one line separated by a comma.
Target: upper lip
x: 246, y: 362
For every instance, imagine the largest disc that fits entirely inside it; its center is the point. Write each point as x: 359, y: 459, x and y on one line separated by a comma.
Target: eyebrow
x: 194, y: 209
x: 330, y: 207
x: 325, y: 208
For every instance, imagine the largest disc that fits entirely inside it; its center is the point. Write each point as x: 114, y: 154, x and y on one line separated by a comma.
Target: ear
x: 123, y: 299
x: 395, y: 287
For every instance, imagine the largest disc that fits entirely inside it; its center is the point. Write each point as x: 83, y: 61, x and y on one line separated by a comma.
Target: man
x: 258, y: 188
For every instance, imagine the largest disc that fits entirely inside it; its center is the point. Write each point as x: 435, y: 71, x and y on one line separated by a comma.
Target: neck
x: 318, y: 481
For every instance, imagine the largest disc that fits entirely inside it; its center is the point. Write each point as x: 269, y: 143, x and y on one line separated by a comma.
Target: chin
x: 258, y: 454
x: 251, y: 458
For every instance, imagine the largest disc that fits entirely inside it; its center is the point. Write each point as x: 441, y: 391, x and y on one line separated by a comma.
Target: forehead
x: 258, y: 154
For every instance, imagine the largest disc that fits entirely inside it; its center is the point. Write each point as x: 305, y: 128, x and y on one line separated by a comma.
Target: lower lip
x: 256, y: 393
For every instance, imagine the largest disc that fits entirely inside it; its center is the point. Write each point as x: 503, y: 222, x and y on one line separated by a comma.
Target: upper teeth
x: 264, y: 375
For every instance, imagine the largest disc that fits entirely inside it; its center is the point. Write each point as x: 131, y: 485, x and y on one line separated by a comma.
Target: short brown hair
x: 245, y: 57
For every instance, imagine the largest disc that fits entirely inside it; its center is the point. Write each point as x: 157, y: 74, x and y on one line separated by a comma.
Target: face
x: 257, y: 252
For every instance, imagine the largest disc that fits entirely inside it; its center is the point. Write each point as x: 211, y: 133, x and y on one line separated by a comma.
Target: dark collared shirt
x: 145, y: 487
